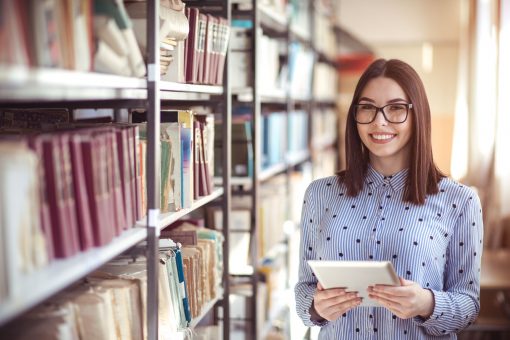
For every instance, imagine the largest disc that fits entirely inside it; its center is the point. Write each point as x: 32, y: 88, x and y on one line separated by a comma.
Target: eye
x: 397, y: 107
x: 368, y: 107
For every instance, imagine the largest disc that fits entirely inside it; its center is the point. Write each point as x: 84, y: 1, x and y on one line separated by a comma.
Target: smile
x: 382, y: 137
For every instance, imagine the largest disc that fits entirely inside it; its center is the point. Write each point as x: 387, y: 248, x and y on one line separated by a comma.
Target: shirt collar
x: 396, y: 181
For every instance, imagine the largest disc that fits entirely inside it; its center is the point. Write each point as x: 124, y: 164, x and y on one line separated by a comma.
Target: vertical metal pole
x: 257, y: 152
x: 227, y: 167
x: 312, y: 103
x: 153, y: 166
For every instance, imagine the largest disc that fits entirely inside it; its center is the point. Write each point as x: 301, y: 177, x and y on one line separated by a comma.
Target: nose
x: 379, y: 118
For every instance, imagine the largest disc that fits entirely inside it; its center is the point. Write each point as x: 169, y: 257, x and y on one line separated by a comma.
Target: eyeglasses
x: 395, y: 113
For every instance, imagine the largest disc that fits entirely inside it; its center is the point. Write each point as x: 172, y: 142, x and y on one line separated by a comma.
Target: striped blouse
x: 438, y: 245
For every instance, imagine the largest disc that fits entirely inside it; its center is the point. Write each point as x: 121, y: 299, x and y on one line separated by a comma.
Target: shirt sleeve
x: 307, y: 283
x: 458, y: 304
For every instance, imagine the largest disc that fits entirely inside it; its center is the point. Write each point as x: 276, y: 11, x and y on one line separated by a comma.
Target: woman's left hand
x: 405, y: 301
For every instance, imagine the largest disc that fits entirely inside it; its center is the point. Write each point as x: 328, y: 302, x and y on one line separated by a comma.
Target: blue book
x: 182, y: 283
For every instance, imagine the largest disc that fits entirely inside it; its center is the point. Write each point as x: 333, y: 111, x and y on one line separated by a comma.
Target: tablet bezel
x: 355, y: 276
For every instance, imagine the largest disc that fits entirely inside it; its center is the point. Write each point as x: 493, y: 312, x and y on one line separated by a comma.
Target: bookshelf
x: 22, y: 87
x: 296, y: 44
x: 64, y: 272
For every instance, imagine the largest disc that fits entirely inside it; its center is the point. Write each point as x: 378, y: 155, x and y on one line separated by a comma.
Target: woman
x: 392, y: 204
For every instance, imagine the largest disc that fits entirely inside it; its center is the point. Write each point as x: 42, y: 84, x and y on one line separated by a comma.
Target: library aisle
x: 153, y: 158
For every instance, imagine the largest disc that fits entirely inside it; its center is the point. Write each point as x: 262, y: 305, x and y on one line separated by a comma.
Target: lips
x: 382, y: 138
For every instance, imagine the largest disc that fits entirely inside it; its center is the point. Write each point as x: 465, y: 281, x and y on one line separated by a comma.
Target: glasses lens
x: 365, y: 113
x: 395, y: 113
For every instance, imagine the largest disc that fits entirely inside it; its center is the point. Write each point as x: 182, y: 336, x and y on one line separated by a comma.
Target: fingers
x: 330, y: 293
x: 334, y: 311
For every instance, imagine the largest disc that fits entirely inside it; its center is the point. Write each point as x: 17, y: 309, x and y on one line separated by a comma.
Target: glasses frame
x: 381, y: 109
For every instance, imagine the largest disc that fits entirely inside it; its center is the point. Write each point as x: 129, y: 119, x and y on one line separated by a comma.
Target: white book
x: 23, y: 248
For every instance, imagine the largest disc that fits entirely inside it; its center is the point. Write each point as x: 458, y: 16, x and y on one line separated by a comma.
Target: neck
x: 388, y: 166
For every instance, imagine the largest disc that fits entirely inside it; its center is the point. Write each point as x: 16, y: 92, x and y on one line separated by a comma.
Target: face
x: 388, y: 143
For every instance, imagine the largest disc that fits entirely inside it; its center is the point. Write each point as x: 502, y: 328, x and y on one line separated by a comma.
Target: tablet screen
x: 355, y: 276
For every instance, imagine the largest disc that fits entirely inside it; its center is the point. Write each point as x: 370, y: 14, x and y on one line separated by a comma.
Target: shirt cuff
x: 314, y: 316
x: 440, y: 306
x: 305, y: 294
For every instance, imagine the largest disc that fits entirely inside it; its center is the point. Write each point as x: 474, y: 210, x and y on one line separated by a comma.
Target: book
x: 84, y: 220
x: 62, y: 207
x: 115, y: 9
x: 224, y: 37
x: 22, y: 245
x: 13, y: 38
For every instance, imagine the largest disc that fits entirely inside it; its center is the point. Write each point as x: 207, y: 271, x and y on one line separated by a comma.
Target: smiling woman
x: 392, y: 204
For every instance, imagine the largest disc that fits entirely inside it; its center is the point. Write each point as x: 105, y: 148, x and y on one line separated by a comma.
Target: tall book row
x: 111, y: 303
x: 81, y: 185
x: 283, y: 134
x: 187, y: 156
x: 110, y: 36
x: 85, y: 187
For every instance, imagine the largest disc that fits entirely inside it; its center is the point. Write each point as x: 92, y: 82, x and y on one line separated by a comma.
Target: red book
x: 196, y: 159
x: 125, y: 174
x: 205, y: 177
x: 115, y: 183
x: 57, y: 169
x: 84, y: 220
x: 186, y: 47
x: 208, y: 51
x: 200, y: 47
x: 191, y: 43
x: 36, y: 144
x: 94, y: 151
x: 223, y: 36
x: 134, y: 146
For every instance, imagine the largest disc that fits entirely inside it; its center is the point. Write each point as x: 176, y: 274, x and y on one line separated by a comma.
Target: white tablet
x: 355, y: 276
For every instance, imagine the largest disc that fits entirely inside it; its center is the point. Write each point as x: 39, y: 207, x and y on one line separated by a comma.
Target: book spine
x: 184, y: 292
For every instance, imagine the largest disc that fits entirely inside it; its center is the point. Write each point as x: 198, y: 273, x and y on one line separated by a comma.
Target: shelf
x: 276, y: 96
x: 166, y: 219
x: 297, y: 157
x: 323, y: 143
x: 21, y: 84
x: 206, y: 309
x: 191, y: 88
x: 271, y: 21
x: 324, y: 101
x: 297, y: 34
x: 271, y: 171
x: 63, y: 272
x: 324, y: 58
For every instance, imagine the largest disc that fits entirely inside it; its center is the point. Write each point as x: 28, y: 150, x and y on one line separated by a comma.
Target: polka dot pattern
x: 376, y: 225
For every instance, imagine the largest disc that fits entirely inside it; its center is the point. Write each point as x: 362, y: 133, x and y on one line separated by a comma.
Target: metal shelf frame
x: 23, y: 87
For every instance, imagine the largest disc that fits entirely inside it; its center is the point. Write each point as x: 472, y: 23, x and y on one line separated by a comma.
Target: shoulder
x: 324, y: 184
x: 457, y: 192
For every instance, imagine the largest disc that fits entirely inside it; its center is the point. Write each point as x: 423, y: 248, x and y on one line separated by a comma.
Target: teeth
x: 382, y: 137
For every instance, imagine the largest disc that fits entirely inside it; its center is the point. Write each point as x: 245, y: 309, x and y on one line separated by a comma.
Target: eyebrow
x: 389, y: 101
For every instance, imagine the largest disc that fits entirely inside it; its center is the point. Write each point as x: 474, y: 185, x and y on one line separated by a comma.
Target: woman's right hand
x: 330, y: 304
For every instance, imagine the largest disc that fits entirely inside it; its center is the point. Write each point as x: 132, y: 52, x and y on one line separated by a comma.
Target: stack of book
x: 86, y: 191
x: 200, y: 249
x: 203, y: 53
x: 187, y: 157
x: 173, y: 30
x: 83, y: 35
x: 111, y: 303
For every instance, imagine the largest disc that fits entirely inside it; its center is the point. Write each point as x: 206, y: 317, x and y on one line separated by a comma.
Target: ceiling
x: 400, y: 22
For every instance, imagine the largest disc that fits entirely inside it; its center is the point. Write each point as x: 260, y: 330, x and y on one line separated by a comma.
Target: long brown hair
x: 423, y: 175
